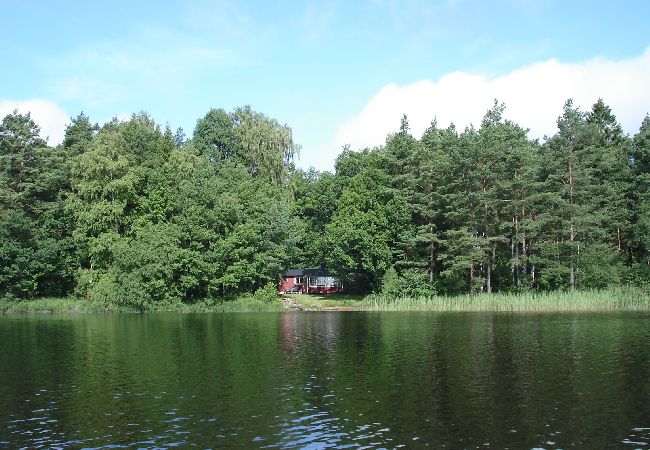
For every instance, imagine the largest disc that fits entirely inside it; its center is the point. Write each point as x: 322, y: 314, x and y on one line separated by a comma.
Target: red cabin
x: 309, y: 281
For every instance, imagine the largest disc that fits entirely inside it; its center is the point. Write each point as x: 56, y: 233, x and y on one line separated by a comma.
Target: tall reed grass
x: 48, y: 305
x: 629, y: 299
x: 72, y: 305
x: 241, y: 304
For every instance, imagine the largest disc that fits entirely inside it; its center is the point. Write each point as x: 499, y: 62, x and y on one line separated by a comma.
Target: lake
x: 326, y: 380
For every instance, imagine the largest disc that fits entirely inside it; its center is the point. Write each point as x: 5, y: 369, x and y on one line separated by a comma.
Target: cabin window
x: 323, y: 282
x: 298, y: 280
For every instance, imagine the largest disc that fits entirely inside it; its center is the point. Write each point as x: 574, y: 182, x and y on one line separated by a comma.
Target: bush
x: 415, y: 283
x: 390, y: 283
x: 268, y: 293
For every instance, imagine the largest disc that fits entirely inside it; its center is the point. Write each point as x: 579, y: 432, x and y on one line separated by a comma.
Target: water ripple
x: 331, y: 380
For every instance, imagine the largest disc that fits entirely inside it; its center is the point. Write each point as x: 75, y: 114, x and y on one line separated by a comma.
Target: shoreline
x: 616, y: 299
x: 82, y: 306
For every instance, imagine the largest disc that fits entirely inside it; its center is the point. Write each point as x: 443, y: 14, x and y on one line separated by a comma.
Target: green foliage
x: 36, y: 248
x: 316, y: 198
x: 79, y: 134
x: 214, y: 137
x: 390, y: 286
x: 267, y: 293
x: 47, y: 305
x: 640, y: 195
x: 268, y: 146
x: 629, y: 299
x: 133, y: 216
x: 369, y: 217
x: 415, y: 283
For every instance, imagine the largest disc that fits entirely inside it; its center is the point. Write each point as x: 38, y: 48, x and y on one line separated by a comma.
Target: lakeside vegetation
x: 590, y: 300
x: 317, y: 302
x: 587, y: 301
x: 134, y: 216
x: 615, y: 299
x: 76, y: 305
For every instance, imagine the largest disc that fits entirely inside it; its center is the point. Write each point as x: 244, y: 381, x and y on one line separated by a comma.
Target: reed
x: 240, y: 304
x: 48, y: 305
x: 628, y: 299
x: 625, y: 299
x: 73, y: 305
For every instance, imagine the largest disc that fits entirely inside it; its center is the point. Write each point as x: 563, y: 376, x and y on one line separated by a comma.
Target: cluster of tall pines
x: 132, y: 213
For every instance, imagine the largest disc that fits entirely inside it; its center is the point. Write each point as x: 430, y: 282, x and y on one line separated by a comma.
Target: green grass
x: 628, y: 299
x: 241, y: 304
x: 325, y: 302
x: 48, y: 305
x: 73, y: 305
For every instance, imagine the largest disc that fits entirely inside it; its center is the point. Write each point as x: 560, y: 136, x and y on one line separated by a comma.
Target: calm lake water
x: 321, y: 380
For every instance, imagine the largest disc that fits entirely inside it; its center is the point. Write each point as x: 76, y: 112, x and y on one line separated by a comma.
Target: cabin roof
x: 306, y: 273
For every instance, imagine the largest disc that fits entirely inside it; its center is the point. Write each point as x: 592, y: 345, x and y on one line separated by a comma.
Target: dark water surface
x: 318, y: 380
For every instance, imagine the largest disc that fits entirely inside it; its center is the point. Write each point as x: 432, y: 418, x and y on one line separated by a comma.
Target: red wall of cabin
x: 289, y: 284
x: 324, y: 289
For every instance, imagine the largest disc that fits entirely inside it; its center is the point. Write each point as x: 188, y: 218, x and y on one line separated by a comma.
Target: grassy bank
x: 628, y: 299
x: 591, y: 300
x: 242, y: 304
x: 47, y: 305
x: 73, y: 305
x: 317, y: 302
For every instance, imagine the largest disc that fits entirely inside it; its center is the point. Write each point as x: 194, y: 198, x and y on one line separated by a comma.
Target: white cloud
x: 48, y: 115
x: 534, y: 96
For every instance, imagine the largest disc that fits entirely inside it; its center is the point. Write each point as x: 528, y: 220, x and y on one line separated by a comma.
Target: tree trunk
x: 572, y: 280
x: 471, y: 278
x: 577, y: 276
x: 517, y: 267
x: 513, y: 260
x: 532, y: 275
x: 432, y: 255
x: 488, y: 278
x: 493, y: 263
x: 431, y: 248
x: 514, y: 251
x: 19, y: 188
x: 524, y: 250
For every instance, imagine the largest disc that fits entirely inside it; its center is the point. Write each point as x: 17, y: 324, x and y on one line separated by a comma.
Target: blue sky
x: 332, y: 70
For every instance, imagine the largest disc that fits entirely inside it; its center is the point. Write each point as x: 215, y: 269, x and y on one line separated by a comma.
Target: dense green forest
x: 132, y: 213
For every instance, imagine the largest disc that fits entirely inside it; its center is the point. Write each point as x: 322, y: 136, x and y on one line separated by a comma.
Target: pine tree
x: 640, y: 162
x: 432, y: 179
x: 36, y: 255
x: 464, y: 248
x: 400, y: 162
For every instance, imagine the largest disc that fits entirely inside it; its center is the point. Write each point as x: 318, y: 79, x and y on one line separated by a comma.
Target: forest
x: 133, y: 213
